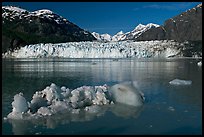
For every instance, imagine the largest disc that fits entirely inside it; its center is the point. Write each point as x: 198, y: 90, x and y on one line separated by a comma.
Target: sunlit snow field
x: 168, y: 109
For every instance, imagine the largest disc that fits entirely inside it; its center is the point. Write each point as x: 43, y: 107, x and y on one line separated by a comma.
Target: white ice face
x: 143, y: 49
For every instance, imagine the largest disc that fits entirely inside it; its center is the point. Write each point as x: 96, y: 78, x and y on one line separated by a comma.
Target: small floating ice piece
x: 126, y: 93
x: 180, y: 82
x: 171, y: 108
x: 199, y: 63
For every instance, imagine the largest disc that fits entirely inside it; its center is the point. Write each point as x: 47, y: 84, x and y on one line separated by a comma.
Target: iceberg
x: 199, y: 63
x: 180, y: 82
x: 54, y: 100
x: 126, y: 93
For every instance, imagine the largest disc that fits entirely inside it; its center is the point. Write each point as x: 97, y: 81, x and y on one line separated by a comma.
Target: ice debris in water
x: 199, y: 63
x: 53, y: 100
x: 180, y: 82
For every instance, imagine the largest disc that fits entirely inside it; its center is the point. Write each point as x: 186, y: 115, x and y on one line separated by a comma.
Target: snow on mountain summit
x: 120, y: 36
x: 120, y: 33
x: 43, y: 11
x: 40, y: 26
x: 11, y: 13
x: 103, y: 37
x: 142, y: 28
x: 14, y: 9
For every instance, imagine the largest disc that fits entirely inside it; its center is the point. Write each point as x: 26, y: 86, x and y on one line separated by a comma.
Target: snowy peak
x: 120, y: 36
x: 186, y: 26
x: 199, y: 5
x: 106, y: 37
x: 96, y: 35
x: 12, y: 13
x: 43, y: 11
x: 13, y: 9
x: 139, y: 27
x: 120, y: 33
x: 103, y: 37
x: 142, y: 28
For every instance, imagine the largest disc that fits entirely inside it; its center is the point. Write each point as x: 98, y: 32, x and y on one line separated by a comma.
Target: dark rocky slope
x: 185, y: 27
x: 20, y: 27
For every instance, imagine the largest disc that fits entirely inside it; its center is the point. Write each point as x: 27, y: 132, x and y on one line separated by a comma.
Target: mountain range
x: 120, y: 36
x: 186, y: 26
x: 21, y: 27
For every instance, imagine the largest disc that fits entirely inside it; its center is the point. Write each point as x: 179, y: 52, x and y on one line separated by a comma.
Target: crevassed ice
x: 124, y: 49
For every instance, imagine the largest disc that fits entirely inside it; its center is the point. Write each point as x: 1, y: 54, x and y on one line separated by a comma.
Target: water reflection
x: 21, y: 127
x: 108, y: 70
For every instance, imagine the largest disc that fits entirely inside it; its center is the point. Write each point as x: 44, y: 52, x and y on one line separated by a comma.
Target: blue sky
x: 110, y: 17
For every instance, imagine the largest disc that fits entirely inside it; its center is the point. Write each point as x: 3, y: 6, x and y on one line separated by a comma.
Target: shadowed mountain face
x: 20, y: 27
x: 186, y: 26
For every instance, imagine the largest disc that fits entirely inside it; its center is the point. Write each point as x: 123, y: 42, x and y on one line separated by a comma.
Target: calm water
x: 167, y: 110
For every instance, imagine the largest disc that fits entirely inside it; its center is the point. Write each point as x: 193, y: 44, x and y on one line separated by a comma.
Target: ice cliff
x: 123, y: 49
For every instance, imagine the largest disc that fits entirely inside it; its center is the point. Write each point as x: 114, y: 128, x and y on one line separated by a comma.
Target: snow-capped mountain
x: 120, y: 36
x: 103, y: 37
x: 38, y: 26
x: 11, y: 13
x: 140, y: 29
x: 186, y: 26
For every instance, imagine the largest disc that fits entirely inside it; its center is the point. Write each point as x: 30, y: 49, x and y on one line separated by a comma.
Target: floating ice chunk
x: 180, y: 82
x: 199, y: 63
x: 19, y: 104
x: 54, y: 100
x: 126, y: 93
x: 171, y: 108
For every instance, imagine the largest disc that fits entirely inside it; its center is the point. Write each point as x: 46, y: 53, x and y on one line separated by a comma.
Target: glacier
x: 95, y: 49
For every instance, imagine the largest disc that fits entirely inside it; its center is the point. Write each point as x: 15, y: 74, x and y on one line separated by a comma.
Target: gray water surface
x: 167, y: 109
